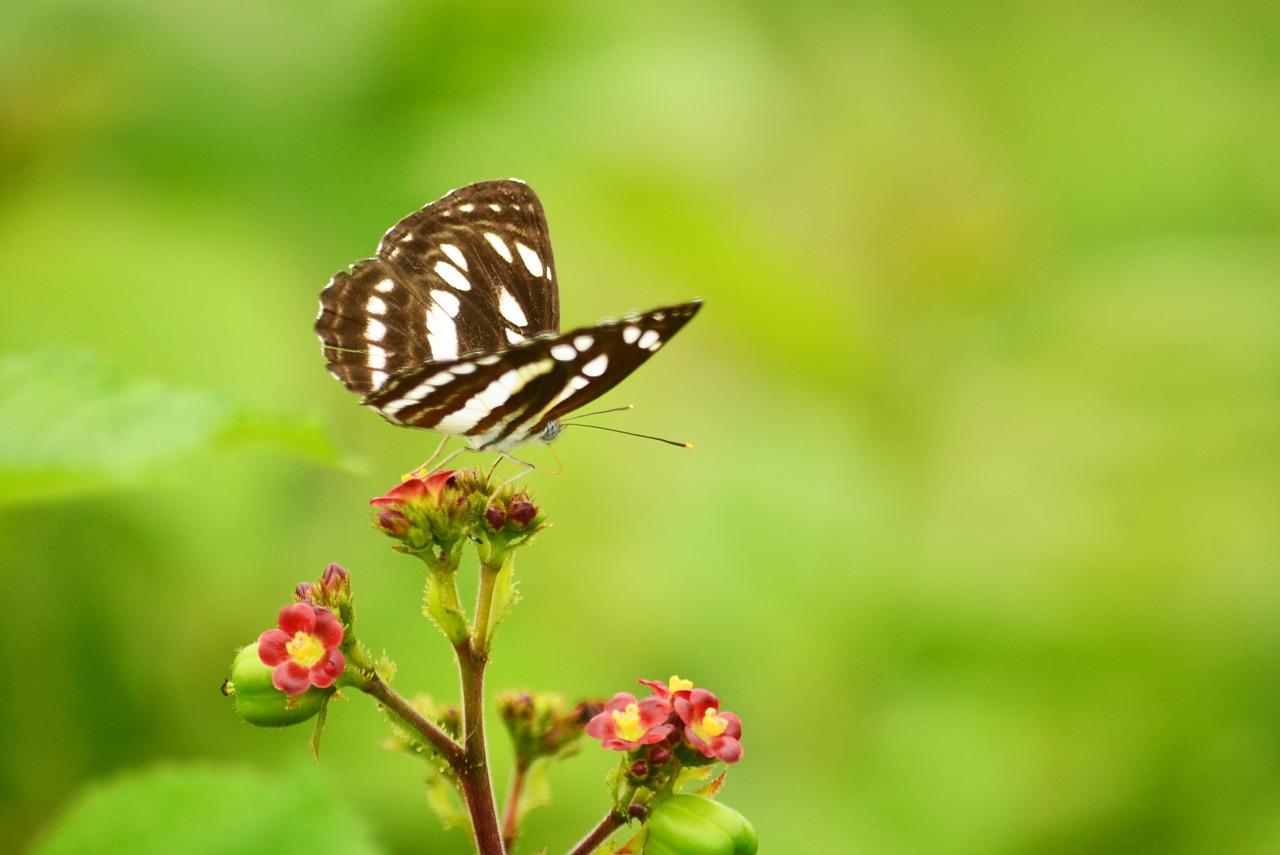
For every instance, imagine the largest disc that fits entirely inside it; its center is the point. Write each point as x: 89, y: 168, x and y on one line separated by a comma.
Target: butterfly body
x: 454, y: 325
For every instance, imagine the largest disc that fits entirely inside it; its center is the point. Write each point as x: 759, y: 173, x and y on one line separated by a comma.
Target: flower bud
x: 494, y: 516
x: 687, y: 824
x: 257, y: 699
x: 335, y: 579
x: 522, y: 512
x: 392, y: 522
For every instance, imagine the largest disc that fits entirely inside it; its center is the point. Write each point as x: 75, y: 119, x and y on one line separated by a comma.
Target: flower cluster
x: 436, y: 514
x: 677, y: 717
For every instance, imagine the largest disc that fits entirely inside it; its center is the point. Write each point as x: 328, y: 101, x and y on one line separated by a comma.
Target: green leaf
x: 72, y: 424
x: 199, y: 809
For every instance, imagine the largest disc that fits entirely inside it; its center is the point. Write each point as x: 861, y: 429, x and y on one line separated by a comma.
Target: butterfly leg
x: 427, y: 465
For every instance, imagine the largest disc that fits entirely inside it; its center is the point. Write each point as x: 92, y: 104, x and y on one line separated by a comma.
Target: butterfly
x: 454, y: 325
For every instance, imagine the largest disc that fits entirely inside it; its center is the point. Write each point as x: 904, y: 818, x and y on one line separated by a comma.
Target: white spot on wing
x: 649, y: 340
x: 463, y: 368
x: 452, y: 275
x: 491, y: 397
x: 510, y: 309
x: 376, y: 305
x: 455, y: 255
x: 377, y: 357
x: 583, y: 342
x: 575, y: 383
x: 378, y: 378
x: 442, y: 334
x: 466, y: 208
x: 596, y: 367
x: 499, y: 246
x: 513, y: 337
x: 395, y: 406
x: 422, y: 390
x: 630, y: 333
x: 375, y: 329
x: 385, y: 286
x: 448, y: 302
x: 495, y: 207
x: 564, y: 352
x: 530, y: 259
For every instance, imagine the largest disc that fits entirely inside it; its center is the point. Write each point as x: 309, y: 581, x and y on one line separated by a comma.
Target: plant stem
x: 403, y: 710
x: 511, y: 813
x: 473, y: 773
x: 612, y: 822
x: 484, y: 605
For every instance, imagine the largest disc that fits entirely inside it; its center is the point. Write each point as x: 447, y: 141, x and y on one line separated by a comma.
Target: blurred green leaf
x: 194, y: 809
x: 71, y: 423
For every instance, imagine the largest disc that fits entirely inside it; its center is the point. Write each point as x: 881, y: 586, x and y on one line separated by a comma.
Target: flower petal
x: 324, y: 672
x: 271, y: 647
x: 299, y: 617
x: 291, y: 678
x: 328, y: 630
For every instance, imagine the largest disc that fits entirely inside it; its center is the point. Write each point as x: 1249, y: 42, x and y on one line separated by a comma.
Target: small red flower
x: 706, y: 728
x: 304, y: 650
x: 413, y: 489
x: 626, y: 723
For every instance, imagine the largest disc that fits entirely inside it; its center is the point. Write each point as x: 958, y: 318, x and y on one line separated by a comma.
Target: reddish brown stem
x: 511, y: 813
x: 403, y: 710
x: 612, y: 822
x: 473, y: 774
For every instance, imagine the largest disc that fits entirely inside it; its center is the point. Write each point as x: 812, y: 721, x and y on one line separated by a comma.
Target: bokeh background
x: 980, y: 536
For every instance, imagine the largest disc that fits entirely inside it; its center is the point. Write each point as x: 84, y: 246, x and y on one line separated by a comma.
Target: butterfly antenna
x: 621, y: 409
x: 641, y: 435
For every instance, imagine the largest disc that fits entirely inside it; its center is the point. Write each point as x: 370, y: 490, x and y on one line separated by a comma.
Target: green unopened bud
x: 257, y: 699
x: 686, y: 824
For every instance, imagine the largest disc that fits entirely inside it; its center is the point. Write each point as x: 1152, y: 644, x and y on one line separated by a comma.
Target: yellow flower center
x: 305, y: 649
x: 628, y: 722
x: 675, y: 684
x: 712, y: 725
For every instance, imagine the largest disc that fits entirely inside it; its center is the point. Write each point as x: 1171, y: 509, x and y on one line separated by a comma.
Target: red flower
x: 626, y: 724
x: 413, y: 489
x: 304, y: 650
x: 706, y: 728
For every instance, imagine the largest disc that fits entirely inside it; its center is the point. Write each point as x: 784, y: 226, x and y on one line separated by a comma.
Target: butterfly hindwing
x: 514, y: 394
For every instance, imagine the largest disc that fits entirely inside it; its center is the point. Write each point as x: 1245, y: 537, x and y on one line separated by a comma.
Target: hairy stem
x: 612, y: 822
x: 403, y: 710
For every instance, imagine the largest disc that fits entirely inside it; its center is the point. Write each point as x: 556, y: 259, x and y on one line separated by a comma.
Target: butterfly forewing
x: 470, y: 273
x: 453, y: 326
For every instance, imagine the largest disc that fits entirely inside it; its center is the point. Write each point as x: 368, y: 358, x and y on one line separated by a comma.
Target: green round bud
x: 257, y: 699
x: 687, y: 824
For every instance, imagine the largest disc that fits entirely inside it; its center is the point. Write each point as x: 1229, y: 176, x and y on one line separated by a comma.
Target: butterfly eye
x: 551, y: 431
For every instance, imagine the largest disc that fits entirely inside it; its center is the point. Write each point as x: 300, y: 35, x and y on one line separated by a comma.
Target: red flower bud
x: 335, y: 578
x: 393, y: 523
x: 522, y: 512
x: 494, y: 516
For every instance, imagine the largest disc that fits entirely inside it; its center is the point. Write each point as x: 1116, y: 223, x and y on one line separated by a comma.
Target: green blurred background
x: 980, y: 536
